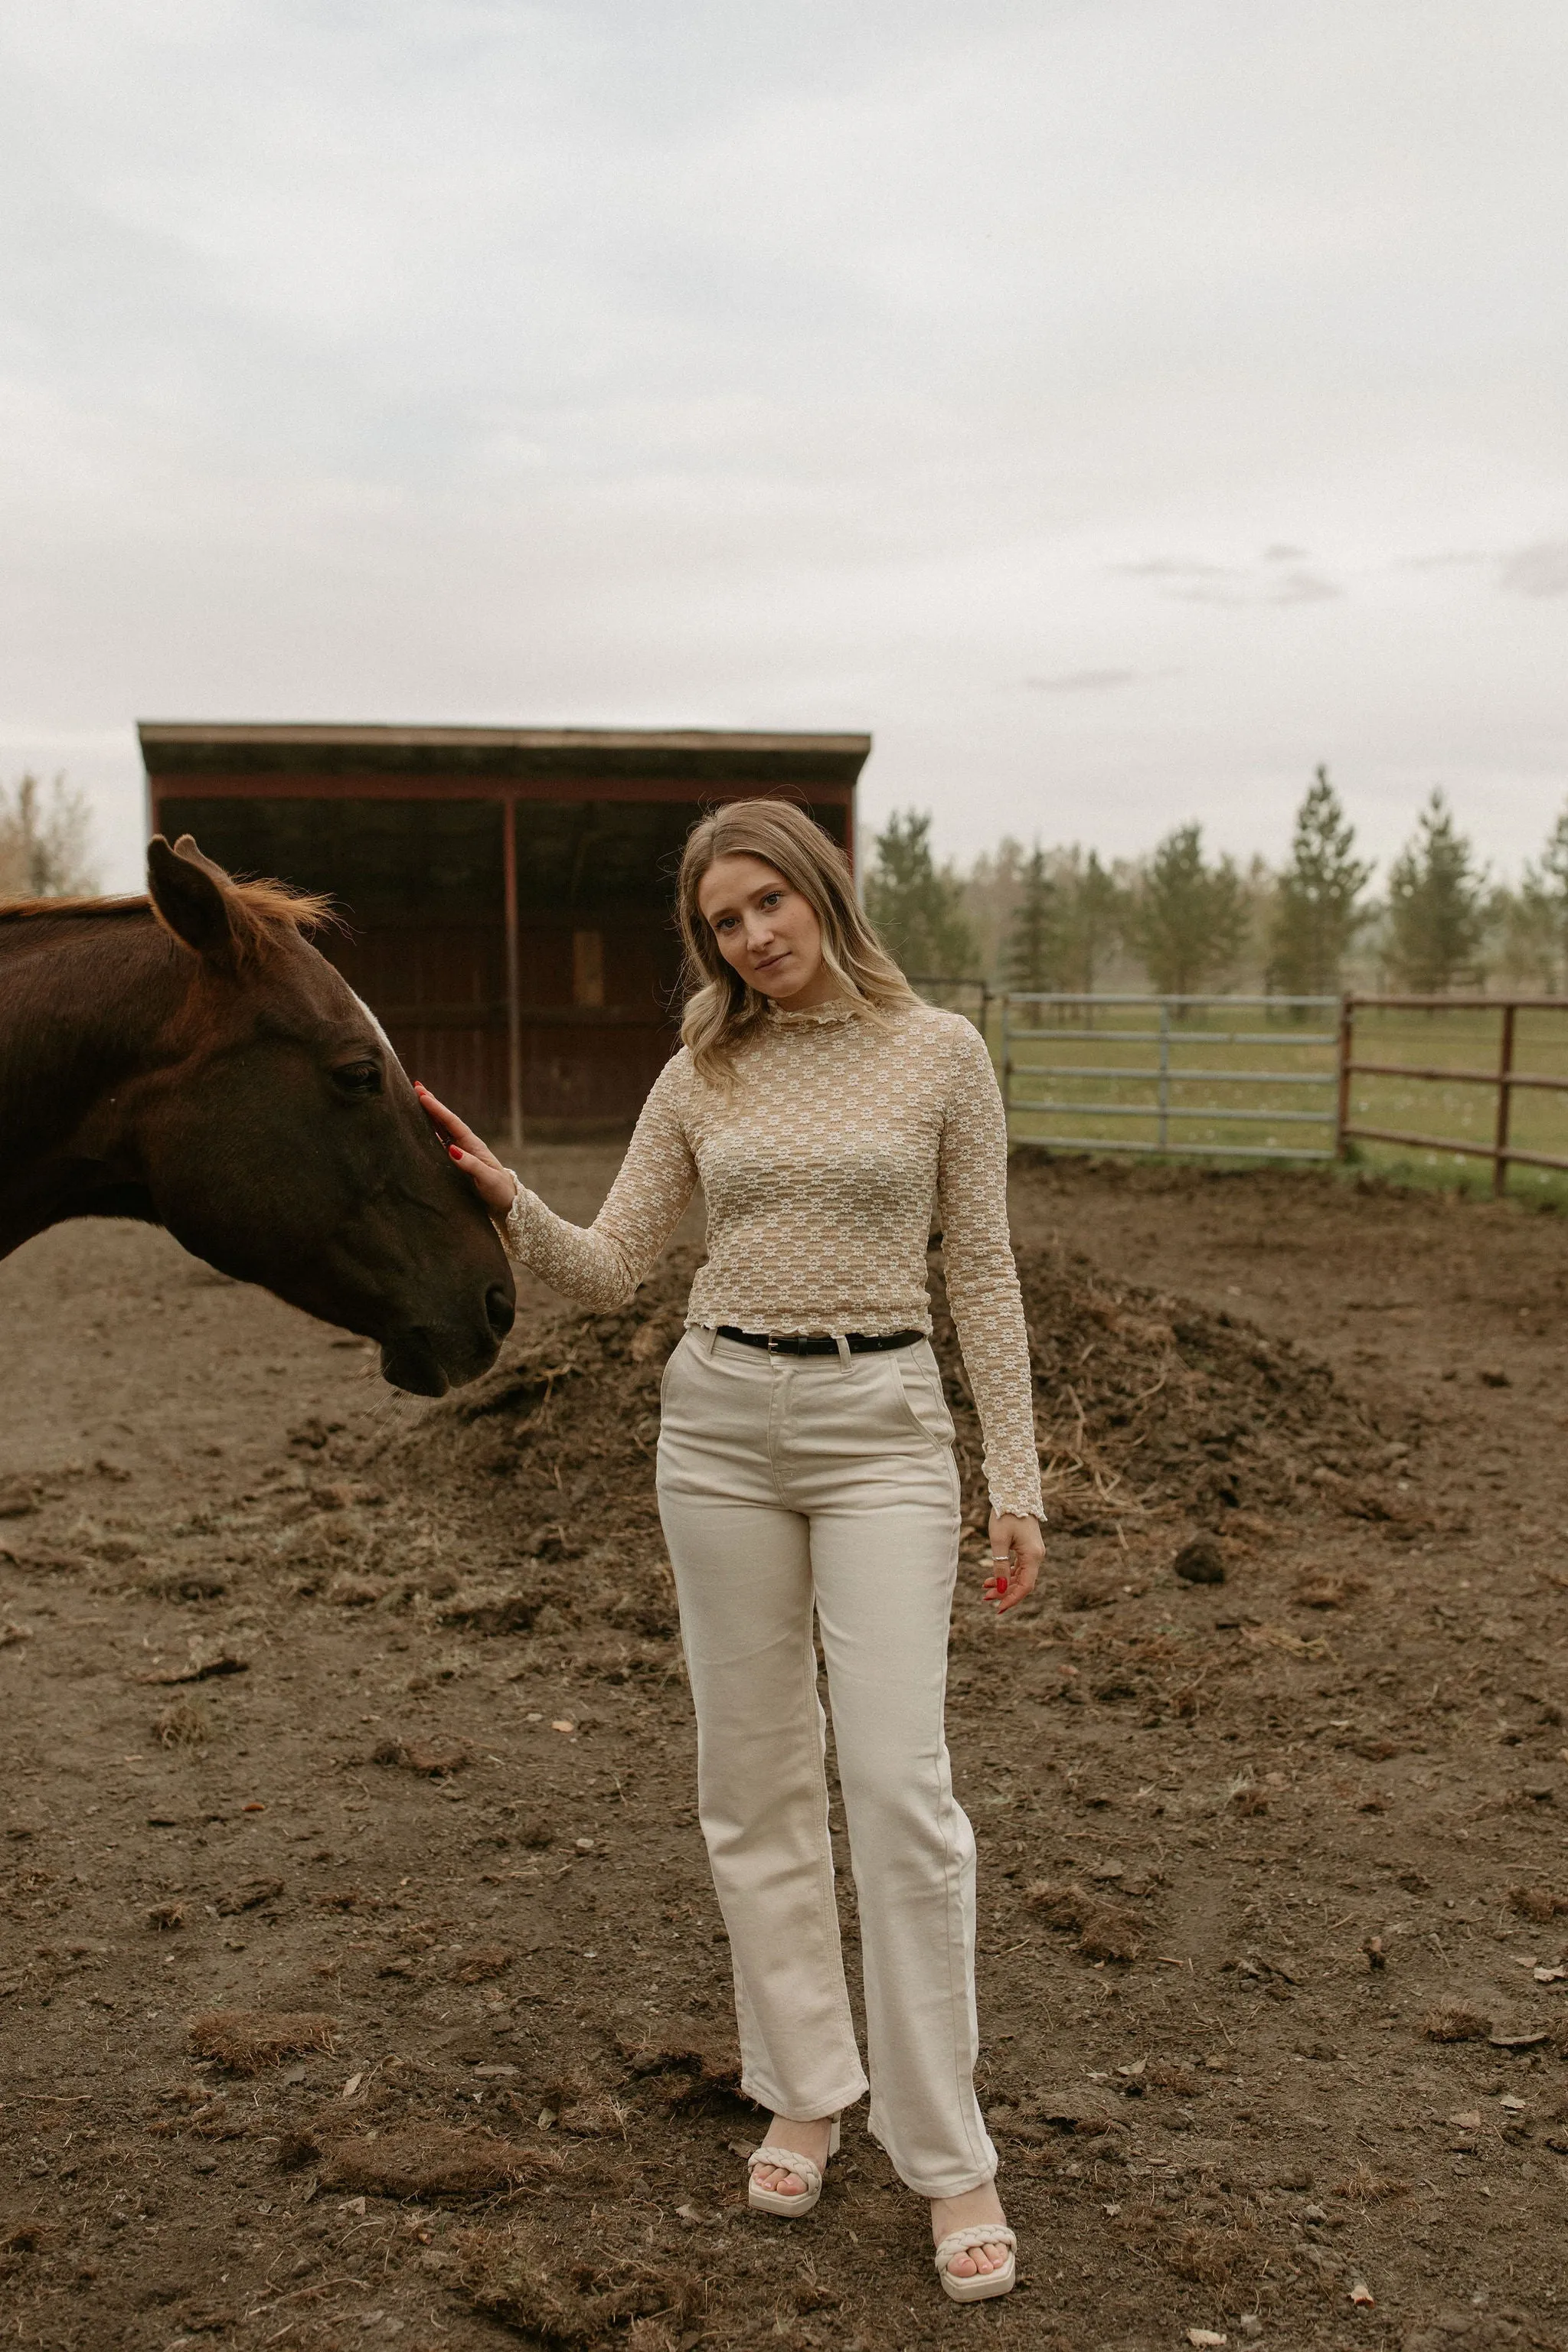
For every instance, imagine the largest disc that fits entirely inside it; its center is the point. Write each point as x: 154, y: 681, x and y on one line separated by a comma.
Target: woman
x: 804, y: 1462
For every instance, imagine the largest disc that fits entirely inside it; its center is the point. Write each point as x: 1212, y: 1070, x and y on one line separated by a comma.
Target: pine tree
x: 1538, y: 916
x: 1187, y: 920
x: 1438, y: 910
x: 1314, y: 914
x: 1066, y: 925
x: 918, y: 908
x: 1032, y: 959
x: 44, y: 845
x: 1099, y: 918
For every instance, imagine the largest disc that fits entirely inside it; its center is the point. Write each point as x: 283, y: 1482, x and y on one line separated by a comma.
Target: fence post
x: 1164, y: 1088
x: 1504, y: 1103
x: 1347, y: 1055
x: 1006, y: 1070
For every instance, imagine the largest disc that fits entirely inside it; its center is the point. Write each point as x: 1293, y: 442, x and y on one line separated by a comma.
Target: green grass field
x: 1107, y: 1105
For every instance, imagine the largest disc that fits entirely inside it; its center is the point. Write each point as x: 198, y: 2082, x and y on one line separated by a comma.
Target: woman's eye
x: 356, y: 1079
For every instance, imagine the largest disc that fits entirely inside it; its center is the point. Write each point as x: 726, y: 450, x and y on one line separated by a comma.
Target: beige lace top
x: 821, y: 1165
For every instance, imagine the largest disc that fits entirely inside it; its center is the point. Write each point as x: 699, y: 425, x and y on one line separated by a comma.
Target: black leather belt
x: 859, y: 1343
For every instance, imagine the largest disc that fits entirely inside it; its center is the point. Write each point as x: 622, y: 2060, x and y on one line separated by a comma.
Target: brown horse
x: 190, y: 1059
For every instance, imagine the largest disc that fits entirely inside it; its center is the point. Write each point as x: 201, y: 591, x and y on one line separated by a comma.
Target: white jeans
x: 786, y: 1481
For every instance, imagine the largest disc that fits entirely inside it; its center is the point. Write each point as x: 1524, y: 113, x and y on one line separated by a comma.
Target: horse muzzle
x: 428, y: 1360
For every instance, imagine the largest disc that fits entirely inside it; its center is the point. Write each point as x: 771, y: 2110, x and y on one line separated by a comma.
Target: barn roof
x: 503, y: 758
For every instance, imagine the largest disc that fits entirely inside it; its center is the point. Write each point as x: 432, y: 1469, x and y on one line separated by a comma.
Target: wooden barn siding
x: 436, y: 977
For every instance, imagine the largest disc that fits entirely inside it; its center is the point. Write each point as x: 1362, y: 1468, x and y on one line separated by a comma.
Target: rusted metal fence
x: 1505, y: 1079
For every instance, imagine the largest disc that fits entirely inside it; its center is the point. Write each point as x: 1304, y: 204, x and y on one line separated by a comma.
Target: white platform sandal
x: 787, y: 2159
x: 983, y: 2283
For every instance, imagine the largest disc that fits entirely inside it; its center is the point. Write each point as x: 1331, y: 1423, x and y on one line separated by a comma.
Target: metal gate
x: 1041, y: 1093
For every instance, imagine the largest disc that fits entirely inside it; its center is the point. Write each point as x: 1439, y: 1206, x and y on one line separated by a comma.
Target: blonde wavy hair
x: 722, y: 1009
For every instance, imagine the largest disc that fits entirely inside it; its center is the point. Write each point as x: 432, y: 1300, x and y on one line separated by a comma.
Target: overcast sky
x: 1118, y: 406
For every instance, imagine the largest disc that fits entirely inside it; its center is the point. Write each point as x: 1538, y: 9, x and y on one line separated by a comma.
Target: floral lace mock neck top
x: 821, y: 1164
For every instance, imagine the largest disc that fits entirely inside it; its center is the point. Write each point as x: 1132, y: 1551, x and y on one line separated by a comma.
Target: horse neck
x: 84, y: 1001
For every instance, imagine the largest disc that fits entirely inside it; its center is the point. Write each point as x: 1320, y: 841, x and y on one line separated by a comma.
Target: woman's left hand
x: 1017, y: 1551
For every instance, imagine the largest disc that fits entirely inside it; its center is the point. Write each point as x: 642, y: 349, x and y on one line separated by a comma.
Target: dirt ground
x: 362, y: 1978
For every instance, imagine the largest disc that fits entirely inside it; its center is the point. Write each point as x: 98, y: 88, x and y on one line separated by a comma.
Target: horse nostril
x: 499, y: 1310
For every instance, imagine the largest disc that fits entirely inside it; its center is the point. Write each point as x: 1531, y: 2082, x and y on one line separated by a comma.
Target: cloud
x: 1445, y: 560
x: 1082, y: 681
x: 1177, y: 567
x: 1538, y: 571
x: 1296, y: 587
x: 1198, y: 583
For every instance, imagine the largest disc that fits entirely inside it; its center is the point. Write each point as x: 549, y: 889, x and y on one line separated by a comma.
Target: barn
x: 508, y: 892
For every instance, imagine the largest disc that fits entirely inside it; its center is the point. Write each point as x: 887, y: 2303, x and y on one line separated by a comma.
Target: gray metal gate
x: 1040, y: 1092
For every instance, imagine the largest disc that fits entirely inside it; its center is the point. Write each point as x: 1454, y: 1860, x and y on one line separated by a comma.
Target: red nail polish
x: 1000, y: 1584
x: 453, y: 1152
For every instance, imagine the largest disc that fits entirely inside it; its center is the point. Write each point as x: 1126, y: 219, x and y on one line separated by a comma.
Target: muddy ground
x: 361, y: 1981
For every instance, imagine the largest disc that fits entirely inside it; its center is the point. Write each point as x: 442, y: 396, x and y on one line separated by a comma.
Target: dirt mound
x: 1141, y: 1401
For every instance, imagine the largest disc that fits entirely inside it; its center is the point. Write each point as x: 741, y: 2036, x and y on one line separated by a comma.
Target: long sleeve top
x: 821, y: 1163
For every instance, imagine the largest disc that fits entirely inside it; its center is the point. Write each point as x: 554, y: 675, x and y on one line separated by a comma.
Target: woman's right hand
x: 495, y: 1185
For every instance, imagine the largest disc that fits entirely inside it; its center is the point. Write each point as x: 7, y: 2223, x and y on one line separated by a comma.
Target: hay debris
x: 1088, y: 2113
x: 247, y: 1897
x: 1537, y: 1903
x: 418, y: 2159
x: 514, y: 1612
x: 596, y: 2117
x: 484, y: 1962
x: 183, y: 1724
x: 1365, y: 2187
x: 434, y: 1757
x: 247, y: 2040
x: 701, y: 2053
x: 1170, y: 2075
x: 526, y: 2280
x: 1455, y: 2020
x: 1103, y: 1931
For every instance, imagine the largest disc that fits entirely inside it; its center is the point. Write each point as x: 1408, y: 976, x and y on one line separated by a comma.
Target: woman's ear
x: 190, y: 899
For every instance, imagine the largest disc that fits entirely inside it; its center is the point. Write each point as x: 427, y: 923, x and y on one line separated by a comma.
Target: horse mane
x: 263, y: 905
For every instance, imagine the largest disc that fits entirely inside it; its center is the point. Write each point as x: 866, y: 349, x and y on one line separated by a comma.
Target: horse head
x: 279, y: 1139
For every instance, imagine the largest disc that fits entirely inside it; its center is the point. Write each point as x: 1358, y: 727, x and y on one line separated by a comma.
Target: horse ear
x: 189, y: 899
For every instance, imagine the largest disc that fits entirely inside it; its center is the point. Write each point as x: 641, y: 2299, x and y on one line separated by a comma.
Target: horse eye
x: 357, y: 1080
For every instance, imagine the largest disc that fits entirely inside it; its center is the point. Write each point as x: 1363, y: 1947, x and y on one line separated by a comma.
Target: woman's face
x: 765, y: 930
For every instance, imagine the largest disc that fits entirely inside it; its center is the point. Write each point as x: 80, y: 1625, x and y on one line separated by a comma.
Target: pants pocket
x: 919, y: 1385
x: 669, y: 1364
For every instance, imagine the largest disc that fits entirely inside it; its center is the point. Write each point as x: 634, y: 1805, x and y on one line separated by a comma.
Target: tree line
x: 44, y: 842
x: 1058, y: 920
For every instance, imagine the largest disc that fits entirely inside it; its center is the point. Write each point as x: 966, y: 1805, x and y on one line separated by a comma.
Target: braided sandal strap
x: 787, y: 2159
x: 960, y: 2241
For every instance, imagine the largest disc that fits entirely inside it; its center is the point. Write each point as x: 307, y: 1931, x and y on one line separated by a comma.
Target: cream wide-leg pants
x: 787, y: 1483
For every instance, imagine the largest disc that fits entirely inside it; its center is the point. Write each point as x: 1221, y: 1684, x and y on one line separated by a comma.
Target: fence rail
x: 1502, y: 1151
x: 1181, y: 1023
x: 1034, y: 1037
